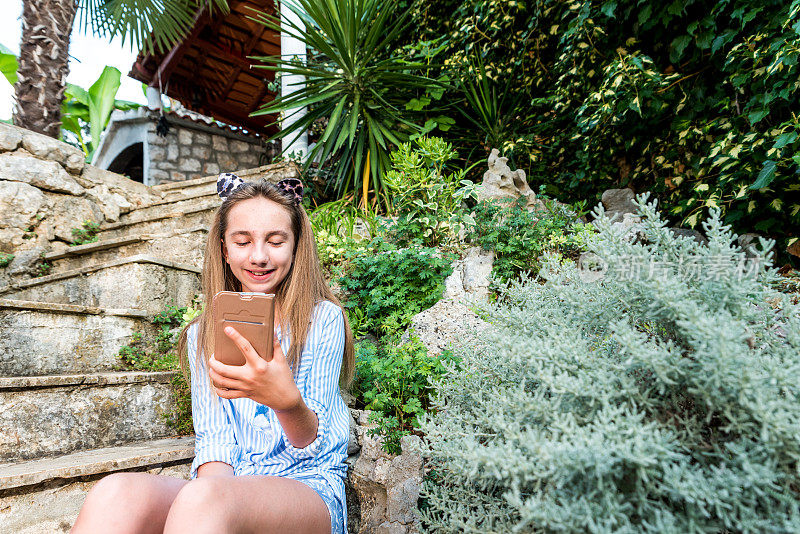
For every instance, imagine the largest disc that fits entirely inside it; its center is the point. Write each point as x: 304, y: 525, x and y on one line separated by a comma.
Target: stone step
x: 274, y: 172
x: 178, y: 205
x: 58, y: 414
x: 40, y: 338
x: 183, y: 245
x: 46, y: 495
x: 159, y: 222
x: 141, y: 282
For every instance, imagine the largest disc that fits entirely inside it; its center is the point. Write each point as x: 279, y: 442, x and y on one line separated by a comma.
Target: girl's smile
x: 259, y: 244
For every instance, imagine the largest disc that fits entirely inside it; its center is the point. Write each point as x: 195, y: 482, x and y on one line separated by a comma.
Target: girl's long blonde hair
x: 298, y: 293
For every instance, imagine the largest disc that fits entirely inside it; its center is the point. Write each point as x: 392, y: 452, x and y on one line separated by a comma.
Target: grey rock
x: 47, y: 175
x: 70, y: 212
x: 451, y: 320
x: 175, y: 176
x: 749, y: 242
x: 45, y: 147
x: 19, y: 204
x: 158, y: 176
x: 25, y: 261
x: 501, y: 183
x: 201, y: 138
x: 618, y: 201
x: 154, y: 139
x: 10, y: 137
x: 106, y: 201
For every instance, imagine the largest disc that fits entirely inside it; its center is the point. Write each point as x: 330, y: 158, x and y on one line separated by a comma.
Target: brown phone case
x: 252, y: 315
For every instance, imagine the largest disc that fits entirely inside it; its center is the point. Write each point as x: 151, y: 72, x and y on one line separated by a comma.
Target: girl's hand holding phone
x: 267, y: 382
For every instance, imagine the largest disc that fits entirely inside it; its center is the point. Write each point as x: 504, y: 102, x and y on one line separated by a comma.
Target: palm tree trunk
x: 43, y: 64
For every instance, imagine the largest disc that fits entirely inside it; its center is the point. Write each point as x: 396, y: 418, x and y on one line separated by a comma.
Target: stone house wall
x: 190, y: 151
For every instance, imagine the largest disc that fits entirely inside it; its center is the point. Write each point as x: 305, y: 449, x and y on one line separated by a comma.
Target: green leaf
x: 678, y: 46
x: 766, y: 175
x: 8, y: 65
x: 756, y: 116
x: 785, y: 139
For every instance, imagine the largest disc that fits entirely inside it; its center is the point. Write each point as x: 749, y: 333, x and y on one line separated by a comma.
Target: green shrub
x: 87, y: 233
x: 664, y: 396
x: 391, y: 285
x: 426, y: 199
x: 394, y: 382
x: 158, y: 353
x: 6, y: 259
x: 519, y: 237
x: 695, y: 101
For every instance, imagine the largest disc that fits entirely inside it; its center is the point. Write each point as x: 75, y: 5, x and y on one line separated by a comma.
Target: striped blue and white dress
x: 248, y: 436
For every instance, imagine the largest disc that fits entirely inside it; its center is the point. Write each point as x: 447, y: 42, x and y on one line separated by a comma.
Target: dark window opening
x: 130, y: 162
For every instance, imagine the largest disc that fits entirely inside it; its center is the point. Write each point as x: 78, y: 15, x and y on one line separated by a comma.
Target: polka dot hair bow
x: 227, y: 183
x: 293, y: 187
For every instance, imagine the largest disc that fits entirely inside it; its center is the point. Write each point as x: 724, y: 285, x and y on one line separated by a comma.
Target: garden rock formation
x: 500, y: 182
x: 452, y: 318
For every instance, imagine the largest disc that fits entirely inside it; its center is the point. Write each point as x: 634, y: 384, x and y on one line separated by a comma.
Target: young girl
x: 271, y: 437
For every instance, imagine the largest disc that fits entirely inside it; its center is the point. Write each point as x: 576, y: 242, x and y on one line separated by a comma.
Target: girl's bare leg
x: 128, y: 503
x: 247, y: 505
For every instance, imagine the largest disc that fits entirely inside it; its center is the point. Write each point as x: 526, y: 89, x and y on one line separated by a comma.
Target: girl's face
x: 259, y: 244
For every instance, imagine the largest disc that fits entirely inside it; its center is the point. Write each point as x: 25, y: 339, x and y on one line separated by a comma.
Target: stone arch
x: 130, y: 162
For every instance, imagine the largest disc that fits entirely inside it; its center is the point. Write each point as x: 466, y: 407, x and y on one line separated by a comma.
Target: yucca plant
x: 353, y: 81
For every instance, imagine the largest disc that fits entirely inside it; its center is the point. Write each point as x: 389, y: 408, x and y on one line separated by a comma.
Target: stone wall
x: 189, y: 152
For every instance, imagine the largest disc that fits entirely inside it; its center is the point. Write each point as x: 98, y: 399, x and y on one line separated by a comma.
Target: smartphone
x: 252, y: 315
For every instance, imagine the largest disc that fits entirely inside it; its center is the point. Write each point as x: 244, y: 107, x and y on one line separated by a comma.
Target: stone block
x: 239, y: 146
x: 82, y: 413
x: 189, y: 165
x: 248, y: 159
x: 173, y: 151
x: 185, y: 136
x: 157, y: 153
x: 47, y: 175
x: 210, y: 168
x: 219, y: 143
x: 25, y: 262
x: 35, y: 341
x: 176, y: 176
x: 227, y: 163
x: 54, y: 507
x: 201, y: 152
x: 154, y: 139
x: 10, y: 137
x: 202, y: 138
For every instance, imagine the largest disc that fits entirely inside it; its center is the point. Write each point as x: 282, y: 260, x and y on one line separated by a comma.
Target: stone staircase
x: 69, y: 412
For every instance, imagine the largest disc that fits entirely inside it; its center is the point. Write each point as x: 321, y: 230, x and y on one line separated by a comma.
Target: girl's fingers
x: 244, y: 345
